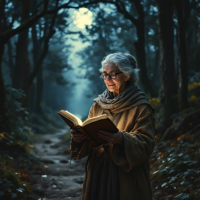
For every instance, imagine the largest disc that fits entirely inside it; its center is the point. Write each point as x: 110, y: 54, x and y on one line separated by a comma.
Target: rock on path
x: 61, y: 177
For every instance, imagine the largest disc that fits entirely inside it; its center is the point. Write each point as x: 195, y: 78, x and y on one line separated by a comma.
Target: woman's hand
x: 113, y: 138
x: 77, y: 136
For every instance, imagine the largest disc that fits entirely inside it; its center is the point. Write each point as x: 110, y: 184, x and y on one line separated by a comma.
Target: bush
x: 18, y: 116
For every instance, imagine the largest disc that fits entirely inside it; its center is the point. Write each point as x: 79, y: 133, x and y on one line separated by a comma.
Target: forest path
x: 60, y: 177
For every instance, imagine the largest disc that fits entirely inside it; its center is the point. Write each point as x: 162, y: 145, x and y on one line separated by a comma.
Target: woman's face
x: 117, y: 85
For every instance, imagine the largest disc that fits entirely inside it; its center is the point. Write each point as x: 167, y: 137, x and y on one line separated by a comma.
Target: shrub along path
x: 175, y: 161
x: 59, y: 177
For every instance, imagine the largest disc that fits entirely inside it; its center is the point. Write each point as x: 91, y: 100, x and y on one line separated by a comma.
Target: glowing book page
x: 70, y: 116
x: 94, y: 119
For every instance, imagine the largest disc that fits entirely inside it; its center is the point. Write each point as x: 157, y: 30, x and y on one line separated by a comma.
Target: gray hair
x: 125, y: 62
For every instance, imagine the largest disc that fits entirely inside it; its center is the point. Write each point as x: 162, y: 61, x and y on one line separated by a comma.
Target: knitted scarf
x: 131, y: 97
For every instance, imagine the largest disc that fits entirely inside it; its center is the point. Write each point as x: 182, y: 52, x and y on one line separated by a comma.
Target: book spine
x: 80, y: 129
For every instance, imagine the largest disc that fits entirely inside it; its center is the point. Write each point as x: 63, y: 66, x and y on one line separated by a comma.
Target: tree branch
x: 138, y: 7
x: 45, y: 49
x: 5, y: 36
x: 122, y: 9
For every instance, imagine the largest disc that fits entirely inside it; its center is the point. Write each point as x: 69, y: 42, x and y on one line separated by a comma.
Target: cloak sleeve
x: 138, y: 143
x: 81, y: 150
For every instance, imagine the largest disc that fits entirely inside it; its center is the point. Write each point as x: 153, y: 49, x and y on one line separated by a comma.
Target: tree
x: 191, y: 19
x: 102, y: 38
x: 183, y: 86
x: 7, y: 32
x: 152, y: 44
x: 55, y: 79
x: 139, y: 44
x: 39, y: 85
x: 4, y: 120
x: 168, y: 91
x: 22, y: 65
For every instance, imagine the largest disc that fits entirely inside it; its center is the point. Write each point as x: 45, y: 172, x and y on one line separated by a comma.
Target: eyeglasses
x: 104, y: 75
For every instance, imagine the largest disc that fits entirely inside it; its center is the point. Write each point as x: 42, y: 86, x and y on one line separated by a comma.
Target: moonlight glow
x: 82, y: 17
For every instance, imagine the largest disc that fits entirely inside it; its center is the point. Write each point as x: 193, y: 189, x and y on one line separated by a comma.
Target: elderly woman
x: 120, y: 169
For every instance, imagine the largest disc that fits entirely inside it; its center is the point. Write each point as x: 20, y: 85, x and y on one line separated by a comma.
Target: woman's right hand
x: 77, y: 136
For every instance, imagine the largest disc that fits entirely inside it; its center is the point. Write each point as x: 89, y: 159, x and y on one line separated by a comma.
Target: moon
x: 82, y: 17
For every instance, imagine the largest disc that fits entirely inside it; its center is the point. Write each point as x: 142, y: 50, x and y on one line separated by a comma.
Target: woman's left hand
x: 113, y: 138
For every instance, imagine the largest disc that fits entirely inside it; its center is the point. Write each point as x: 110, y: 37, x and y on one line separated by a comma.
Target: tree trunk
x: 7, y: 34
x: 4, y: 119
x: 39, y: 90
x: 35, y: 52
x: 183, y: 74
x: 141, y: 59
x: 191, y: 24
x: 156, y: 73
x: 22, y: 65
x: 140, y: 50
x: 168, y: 102
x: 39, y: 60
x: 39, y: 81
x: 10, y: 59
x: 139, y: 45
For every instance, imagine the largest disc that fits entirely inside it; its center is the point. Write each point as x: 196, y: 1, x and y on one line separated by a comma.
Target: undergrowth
x: 175, y: 168
x: 175, y: 163
x: 17, y: 160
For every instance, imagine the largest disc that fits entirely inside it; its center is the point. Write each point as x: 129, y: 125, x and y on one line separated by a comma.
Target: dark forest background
x: 37, y: 77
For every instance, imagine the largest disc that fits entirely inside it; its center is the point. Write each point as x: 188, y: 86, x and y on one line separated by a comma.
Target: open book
x: 90, y: 127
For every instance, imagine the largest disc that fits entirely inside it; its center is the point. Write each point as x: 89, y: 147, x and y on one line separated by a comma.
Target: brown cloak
x: 120, y: 172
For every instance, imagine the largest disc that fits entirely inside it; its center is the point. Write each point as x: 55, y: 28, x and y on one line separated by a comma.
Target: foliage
x: 67, y: 137
x: 194, y: 95
x: 15, y: 151
x: 175, y: 163
x: 49, y: 122
x: 193, y: 99
x: 109, y: 33
x: 175, y: 168
x: 8, y: 189
x: 19, y: 137
x: 15, y: 175
x: 17, y: 114
x: 155, y: 102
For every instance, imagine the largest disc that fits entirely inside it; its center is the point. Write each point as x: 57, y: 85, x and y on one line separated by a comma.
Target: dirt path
x: 61, y: 177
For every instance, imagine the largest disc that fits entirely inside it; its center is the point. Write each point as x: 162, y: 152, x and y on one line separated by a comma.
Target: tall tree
x: 22, y: 65
x: 4, y: 120
x: 10, y: 59
x: 152, y: 43
x: 168, y: 102
x: 183, y: 74
x: 35, y: 52
x: 139, y: 44
x: 39, y: 86
x: 191, y: 19
x: 7, y: 32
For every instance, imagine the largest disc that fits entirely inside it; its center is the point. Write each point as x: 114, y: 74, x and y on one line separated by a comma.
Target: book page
x: 70, y: 116
x: 94, y: 119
